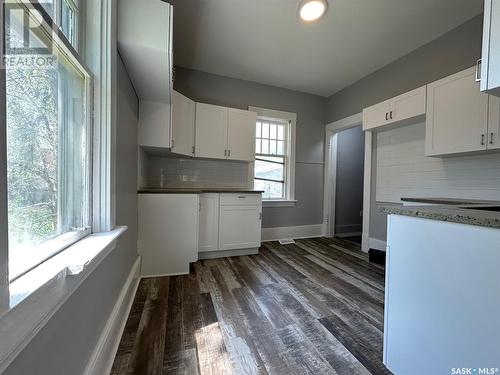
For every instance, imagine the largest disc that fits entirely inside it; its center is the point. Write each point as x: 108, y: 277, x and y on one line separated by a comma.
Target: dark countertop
x: 452, y: 210
x: 451, y: 201
x: 197, y: 191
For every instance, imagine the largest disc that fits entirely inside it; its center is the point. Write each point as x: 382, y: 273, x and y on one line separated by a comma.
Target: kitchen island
x: 442, y: 304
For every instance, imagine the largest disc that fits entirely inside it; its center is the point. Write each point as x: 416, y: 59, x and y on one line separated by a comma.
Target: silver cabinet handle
x: 229, y: 153
x: 173, y: 143
x: 194, y: 149
x: 260, y: 216
x: 492, y: 138
x: 483, y: 138
x: 390, y: 116
x: 225, y: 153
x: 241, y: 197
x: 386, y: 116
x: 478, y: 70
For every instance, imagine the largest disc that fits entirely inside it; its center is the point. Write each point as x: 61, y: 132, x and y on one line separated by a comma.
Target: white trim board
x: 331, y: 131
x: 303, y: 231
x: 101, y: 360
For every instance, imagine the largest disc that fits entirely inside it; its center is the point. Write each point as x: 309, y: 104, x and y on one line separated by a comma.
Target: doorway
x: 349, y: 183
x: 358, y: 168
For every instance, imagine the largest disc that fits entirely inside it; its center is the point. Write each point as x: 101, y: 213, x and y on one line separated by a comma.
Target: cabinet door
x: 211, y: 131
x: 209, y: 223
x: 493, y: 123
x: 408, y: 105
x: 183, y: 122
x: 168, y: 233
x: 457, y: 115
x: 490, y: 66
x: 239, y: 227
x: 241, y: 134
x: 376, y: 115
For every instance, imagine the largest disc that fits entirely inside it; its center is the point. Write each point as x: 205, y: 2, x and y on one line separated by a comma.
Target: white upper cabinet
x: 154, y: 124
x: 146, y: 49
x: 457, y: 115
x: 183, y: 124
x: 493, y: 122
x: 399, y: 110
x: 211, y: 131
x: 241, y: 134
x: 224, y: 133
x: 376, y: 115
x: 489, y: 69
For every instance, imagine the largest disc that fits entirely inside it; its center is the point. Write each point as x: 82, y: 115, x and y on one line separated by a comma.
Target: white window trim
x: 290, y: 173
x: 74, y: 264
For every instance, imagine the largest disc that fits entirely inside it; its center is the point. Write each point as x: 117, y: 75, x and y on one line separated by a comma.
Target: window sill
x: 279, y: 203
x: 31, y: 301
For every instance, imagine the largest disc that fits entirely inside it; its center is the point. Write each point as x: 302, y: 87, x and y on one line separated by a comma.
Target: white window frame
x: 64, y: 240
x: 291, y: 118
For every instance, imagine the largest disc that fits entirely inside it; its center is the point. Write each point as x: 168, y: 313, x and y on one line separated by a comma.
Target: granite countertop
x: 451, y: 201
x: 452, y: 210
x: 197, y: 190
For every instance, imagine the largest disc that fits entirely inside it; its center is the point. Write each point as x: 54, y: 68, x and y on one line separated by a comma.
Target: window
x: 271, y: 158
x: 48, y: 140
x: 274, y: 160
x: 65, y: 15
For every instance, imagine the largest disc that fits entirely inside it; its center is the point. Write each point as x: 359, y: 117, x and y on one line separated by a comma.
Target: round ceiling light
x: 312, y: 10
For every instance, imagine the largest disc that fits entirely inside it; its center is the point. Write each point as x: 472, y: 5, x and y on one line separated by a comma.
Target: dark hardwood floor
x: 315, y: 307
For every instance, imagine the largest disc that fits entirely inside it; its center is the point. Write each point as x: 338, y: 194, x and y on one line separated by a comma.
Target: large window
x: 65, y: 14
x: 48, y: 140
x: 272, y: 149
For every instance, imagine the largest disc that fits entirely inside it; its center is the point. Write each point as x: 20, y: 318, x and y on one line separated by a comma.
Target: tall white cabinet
x: 460, y: 118
x: 224, y: 133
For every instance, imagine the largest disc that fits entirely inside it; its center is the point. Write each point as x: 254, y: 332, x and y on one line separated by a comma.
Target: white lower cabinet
x: 168, y: 233
x: 209, y: 223
x: 177, y: 229
x: 239, y: 227
x: 229, y: 222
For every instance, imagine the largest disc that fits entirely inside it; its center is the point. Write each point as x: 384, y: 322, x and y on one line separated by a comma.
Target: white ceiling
x: 263, y: 41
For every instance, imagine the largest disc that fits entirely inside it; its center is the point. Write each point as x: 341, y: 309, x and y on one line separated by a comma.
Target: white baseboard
x: 104, y: 353
x: 377, y: 244
x: 350, y: 234
x: 227, y: 253
x: 304, y: 231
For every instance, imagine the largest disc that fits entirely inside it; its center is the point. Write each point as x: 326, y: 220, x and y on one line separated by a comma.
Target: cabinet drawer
x: 240, y: 199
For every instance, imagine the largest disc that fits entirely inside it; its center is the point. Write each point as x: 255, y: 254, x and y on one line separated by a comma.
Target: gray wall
x: 310, y: 109
x: 454, y: 51
x: 65, y: 343
x: 349, y: 181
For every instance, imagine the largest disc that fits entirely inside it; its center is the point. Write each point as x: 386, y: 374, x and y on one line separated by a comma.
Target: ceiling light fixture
x: 312, y: 10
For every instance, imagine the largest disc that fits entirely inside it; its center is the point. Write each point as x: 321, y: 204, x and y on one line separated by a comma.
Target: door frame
x: 330, y: 173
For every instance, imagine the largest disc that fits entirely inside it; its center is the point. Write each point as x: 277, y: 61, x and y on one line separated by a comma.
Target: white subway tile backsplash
x: 403, y: 170
x: 170, y: 172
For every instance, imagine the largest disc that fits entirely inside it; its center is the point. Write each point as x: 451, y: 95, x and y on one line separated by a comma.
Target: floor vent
x: 286, y: 241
